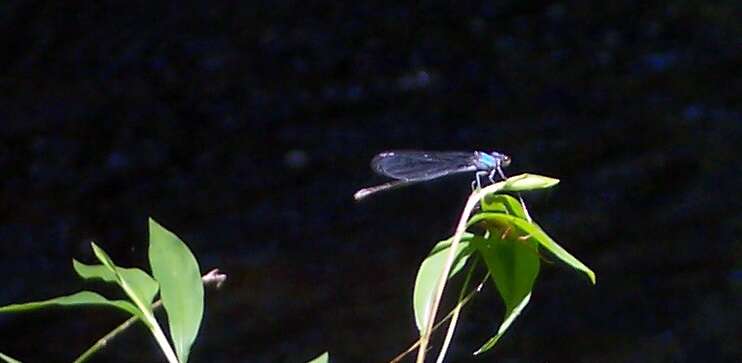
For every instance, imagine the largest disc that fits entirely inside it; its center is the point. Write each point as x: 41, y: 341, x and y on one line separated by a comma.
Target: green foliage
x: 141, y: 282
x: 7, y: 359
x: 76, y: 299
x: 429, y: 273
x: 509, y: 318
x: 138, y: 285
x: 503, y: 203
x: 513, y: 265
x: 182, y: 292
x: 501, y: 233
x: 500, y: 222
x: 177, y: 277
x: 509, y: 242
x: 528, y: 182
x: 322, y: 358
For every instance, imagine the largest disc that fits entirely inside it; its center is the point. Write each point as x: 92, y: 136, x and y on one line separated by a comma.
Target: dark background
x: 246, y: 129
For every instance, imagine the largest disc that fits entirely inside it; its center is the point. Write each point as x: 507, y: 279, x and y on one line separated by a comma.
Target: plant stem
x: 455, y: 314
x: 103, y: 341
x: 474, y: 198
x: 213, y: 277
x: 163, y: 343
x: 461, y: 304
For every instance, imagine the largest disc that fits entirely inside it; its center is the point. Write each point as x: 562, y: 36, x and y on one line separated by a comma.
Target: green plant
x: 322, y: 358
x: 503, y: 236
x: 175, y: 275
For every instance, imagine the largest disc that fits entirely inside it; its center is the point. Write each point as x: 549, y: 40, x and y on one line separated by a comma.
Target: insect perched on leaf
x: 409, y: 166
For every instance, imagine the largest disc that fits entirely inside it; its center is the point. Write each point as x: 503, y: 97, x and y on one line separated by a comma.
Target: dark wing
x: 422, y: 165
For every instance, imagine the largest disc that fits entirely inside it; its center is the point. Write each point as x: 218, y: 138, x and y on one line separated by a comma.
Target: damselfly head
x: 504, y: 159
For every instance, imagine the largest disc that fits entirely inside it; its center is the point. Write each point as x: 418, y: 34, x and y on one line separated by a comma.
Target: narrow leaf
x: 514, y: 265
x: 428, y: 276
x: 137, y: 284
x: 505, y: 325
x: 140, y: 281
x: 525, y: 229
x: 8, y: 359
x: 177, y: 271
x: 503, y: 203
x: 323, y: 358
x: 139, y: 291
x: 93, y: 271
x: 525, y: 182
x: 77, y: 299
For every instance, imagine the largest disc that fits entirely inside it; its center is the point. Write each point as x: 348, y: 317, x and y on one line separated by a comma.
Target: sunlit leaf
x: 139, y: 291
x: 323, y: 358
x: 8, y: 359
x: 503, y: 203
x: 181, y: 289
x: 525, y: 182
x: 86, y: 298
x: 509, y: 318
x: 140, y: 281
x: 429, y: 273
x: 513, y: 265
x: 524, y: 229
x: 140, y: 288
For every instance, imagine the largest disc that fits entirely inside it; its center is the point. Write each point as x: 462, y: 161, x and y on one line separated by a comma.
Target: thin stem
x: 471, y: 203
x: 162, y: 342
x: 525, y: 210
x: 456, y: 311
x: 212, y: 278
x: 461, y: 304
x: 102, y: 342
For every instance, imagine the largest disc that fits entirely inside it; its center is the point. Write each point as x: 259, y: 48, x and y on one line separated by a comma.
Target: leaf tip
x: 525, y: 182
x: 488, y: 345
x: 322, y: 358
x: 76, y: 265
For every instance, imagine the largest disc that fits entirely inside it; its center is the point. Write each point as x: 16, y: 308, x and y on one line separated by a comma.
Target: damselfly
x: 409, y: 167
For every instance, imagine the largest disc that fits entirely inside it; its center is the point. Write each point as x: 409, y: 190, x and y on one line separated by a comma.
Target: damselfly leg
x: 497, y: 170
x: 477, y: 183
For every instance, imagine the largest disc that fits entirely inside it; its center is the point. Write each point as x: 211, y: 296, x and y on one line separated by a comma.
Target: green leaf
x: 428, y: 275
x: 139, y: 291
x: 509, y: 318
x: 514, y: 265
x: 523, y: 228
x: 323, y: 358
x: 8, y: 359
x: 181, y: 289
x: 139, y: 286
x: 77, y: 299
x: 525, y: 182
x: 142, y: 282
x: 503, y: 203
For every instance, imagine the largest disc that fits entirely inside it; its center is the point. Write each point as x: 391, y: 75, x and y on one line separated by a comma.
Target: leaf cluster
x: 504, y: 236
x: 175, y: 275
